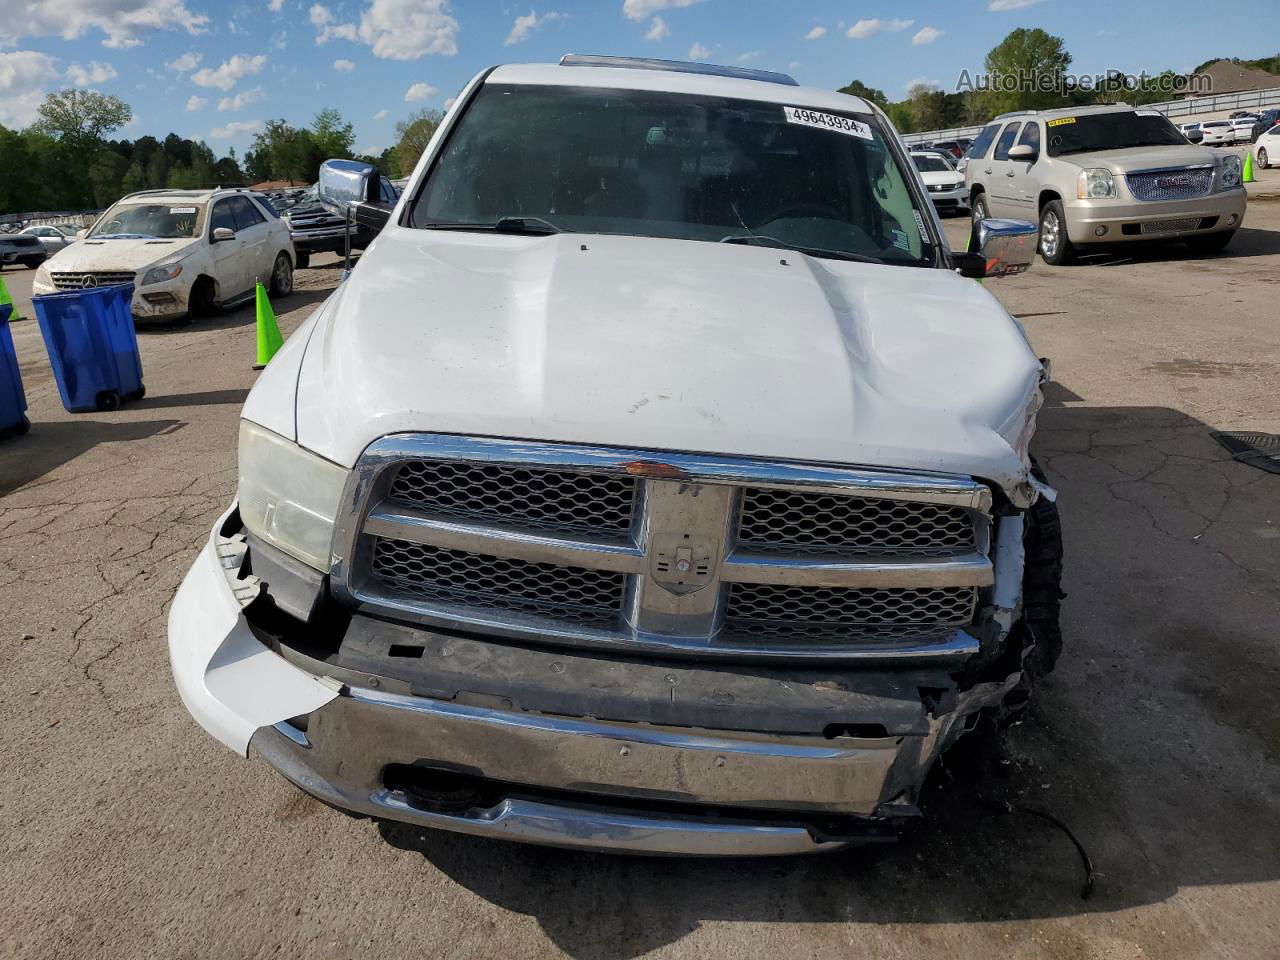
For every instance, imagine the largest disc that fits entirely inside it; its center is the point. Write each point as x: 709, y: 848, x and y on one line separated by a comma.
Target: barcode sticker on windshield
x: 182, y: 209
x: 827, y: 121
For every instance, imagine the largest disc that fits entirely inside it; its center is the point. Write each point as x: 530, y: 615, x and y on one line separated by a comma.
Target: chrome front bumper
x: 1084, y: 217
x: 583, y: 783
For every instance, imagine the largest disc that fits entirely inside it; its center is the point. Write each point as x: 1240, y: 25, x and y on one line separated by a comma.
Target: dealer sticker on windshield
x: 828, y: 121
x: 1060, y: 122
x: 182, y: 209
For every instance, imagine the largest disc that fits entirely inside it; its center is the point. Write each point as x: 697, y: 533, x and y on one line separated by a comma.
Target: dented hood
x: 667, y: 345
x: 123, y: 253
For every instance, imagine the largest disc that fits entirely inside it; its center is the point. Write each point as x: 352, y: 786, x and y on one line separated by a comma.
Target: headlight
x: 288, y: 496
x: 1231, y: 170
x: 42, y: 276
x: 166, y: 271
x: 1095, y: 184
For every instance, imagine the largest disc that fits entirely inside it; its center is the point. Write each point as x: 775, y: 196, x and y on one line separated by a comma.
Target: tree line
x: 67, y: 160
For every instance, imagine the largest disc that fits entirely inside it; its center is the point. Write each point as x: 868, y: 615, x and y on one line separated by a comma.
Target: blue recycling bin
x: 13, y: 401
x: 92, y: 346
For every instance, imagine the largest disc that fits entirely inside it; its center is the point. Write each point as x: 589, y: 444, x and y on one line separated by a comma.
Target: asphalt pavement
x: 130, y: 833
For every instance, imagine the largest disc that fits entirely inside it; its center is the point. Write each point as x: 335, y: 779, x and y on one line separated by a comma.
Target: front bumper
x: 632, y: 774
x: 156, y: 301
x: 1123, y: 219
x: 950, y: 199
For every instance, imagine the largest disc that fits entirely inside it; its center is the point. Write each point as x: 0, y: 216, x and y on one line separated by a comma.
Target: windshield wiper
x: 530, y: 226
x: 764, y: 240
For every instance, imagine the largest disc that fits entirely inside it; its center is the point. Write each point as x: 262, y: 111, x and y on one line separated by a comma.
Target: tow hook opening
x: 439, y: 791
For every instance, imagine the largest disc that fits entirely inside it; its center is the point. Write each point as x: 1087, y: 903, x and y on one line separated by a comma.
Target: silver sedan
x: 54, y: 238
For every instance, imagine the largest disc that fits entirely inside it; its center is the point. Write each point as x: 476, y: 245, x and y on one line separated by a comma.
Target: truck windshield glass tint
x: 159, y: 220
x: 670, y: 165
x: 1110, y: 131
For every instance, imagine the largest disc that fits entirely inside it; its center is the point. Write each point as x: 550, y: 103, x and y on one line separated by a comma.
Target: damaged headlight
x: 288, y: 496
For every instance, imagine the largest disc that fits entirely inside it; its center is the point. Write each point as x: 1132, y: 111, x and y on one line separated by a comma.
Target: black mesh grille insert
x: 755, y: 606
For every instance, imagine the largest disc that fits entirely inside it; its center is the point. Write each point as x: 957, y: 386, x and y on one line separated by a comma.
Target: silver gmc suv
x: 1104, y: 175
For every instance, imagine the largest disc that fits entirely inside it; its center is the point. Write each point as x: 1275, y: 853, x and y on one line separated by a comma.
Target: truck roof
x: 1067, y: 111
x: 704, y: 79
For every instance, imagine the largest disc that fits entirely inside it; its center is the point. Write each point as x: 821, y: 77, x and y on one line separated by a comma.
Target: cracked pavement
x: 129, y: 832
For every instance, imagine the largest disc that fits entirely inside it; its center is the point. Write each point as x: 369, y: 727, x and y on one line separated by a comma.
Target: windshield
x: 1110, y: 131
x: 163, y: 221
x: 927, y: 163
x: 643, y: 163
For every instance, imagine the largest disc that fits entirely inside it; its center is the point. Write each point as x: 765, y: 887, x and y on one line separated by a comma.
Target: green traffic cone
x: 1248, y: 176
x: 5, y: 298
x: 269, y: 339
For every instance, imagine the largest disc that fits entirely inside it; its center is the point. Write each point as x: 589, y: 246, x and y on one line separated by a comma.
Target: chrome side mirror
x: 222, y: 234
x: 999, y: 248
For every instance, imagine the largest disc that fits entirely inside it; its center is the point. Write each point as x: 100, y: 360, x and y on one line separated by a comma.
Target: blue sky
x: 216, y: 69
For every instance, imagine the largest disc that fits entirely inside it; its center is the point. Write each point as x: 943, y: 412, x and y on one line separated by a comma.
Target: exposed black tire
x: 1262, y: 157
x: 282, y: 276
x: 201, y: 302
x: 978, y: 208
x: 1211, y: 243
x: 107, y: 400
x: 1042, y: 582
x: 1055, y: 246
x: 303, y: 261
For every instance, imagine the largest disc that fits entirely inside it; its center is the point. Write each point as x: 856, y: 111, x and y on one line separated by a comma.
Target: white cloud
x: 234, y: 128
x: 23, y: 75
x: 240, y: 100
x: 409, y: 29
x: 658, y: 29
x: 448, y: 104
x: 279, y: 40
x: 642, y: 9
x: 419, y: 91
x: 275, y: 6
x: 1000, y: 6
x: 122, y: 21
x: 380, y: 115
x: 926, y: 35
x: 865, y: 28
x: 185, y: 63
x: 91, y: 75
x: 196, y: 103
x: 817, y: 33
x: 344, y: 66
x: 326, y: 28
x: 699, y: 52
x: 750, y: 55
x: 525, y: 25
x: 230, y: 73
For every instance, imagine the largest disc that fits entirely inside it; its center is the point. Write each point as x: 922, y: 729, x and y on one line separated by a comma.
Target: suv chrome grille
x: 784, y: 521
x: 1178, y: 184
x: 658, y: 553
x: 529, y: 498
x: 544, y: 589
x: 79, y: 281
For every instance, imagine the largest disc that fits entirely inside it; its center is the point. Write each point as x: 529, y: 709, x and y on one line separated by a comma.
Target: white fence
x: 1190, y: 107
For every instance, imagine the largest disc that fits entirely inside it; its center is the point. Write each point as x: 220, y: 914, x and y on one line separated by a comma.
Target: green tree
x: 106, y: 175
x: 412, y: 136
x: 134, y: 179
x: 331, y: 135
x: 1034, y: 61
x: 81, y: 118
x: 857, y: 88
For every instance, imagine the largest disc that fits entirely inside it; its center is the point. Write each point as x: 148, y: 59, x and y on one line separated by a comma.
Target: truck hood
x: 668, y: 345
x: 1144, y: 158
x: 121, y: 254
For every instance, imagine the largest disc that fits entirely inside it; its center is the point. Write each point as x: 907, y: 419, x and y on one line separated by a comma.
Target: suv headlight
x: 42, y: 275
x: 1230, y: 170
x: 166, y: 271
x: 1095, y: 184
x: 288, y: 496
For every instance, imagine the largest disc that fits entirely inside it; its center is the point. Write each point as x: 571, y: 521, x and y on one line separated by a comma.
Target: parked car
x: 1266, y: 149
x: 1237, y: 114
x: 53, y: 237
x: 1242, y: 129
x: 188, y: 253
x: 1188, y: 130
x: 1105, y: 175
x: 954, y: 147
x: 1266, y: 120
x: 21, y: 248
x: 1217, y: 133
x: 945, y: 185
x: 513, y: 550
x: 316, y: 230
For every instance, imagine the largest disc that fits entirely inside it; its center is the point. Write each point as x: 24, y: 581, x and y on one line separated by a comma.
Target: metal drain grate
x: 1261, y: 450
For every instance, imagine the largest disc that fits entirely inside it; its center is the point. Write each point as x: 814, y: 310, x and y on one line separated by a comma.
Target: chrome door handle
x: 988, y: 170
x: 1009, y: 173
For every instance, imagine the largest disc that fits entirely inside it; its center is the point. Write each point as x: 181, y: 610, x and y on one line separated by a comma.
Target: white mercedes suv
x: 657, y: 481
x: 186, y: 252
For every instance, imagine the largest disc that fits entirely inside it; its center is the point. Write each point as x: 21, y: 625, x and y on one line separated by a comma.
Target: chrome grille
x: 798, y: 607
x: 656, y: 553
x: 784, y: 521
x: 529, y: 498
x: 495, y: 583
x: 1178, y: 184
x: 80, y: 281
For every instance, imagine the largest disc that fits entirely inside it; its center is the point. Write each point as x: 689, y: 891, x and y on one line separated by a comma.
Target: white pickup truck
x: 657, y: 481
